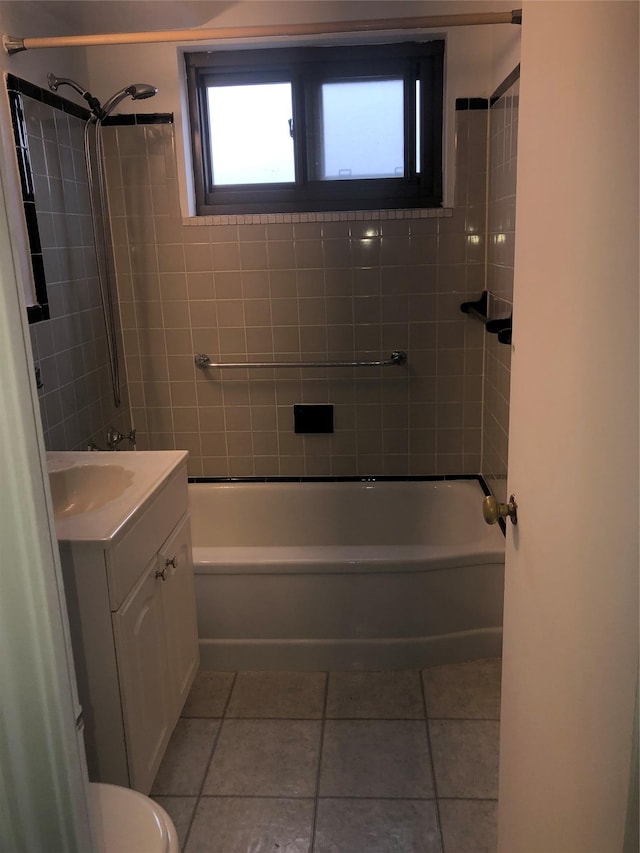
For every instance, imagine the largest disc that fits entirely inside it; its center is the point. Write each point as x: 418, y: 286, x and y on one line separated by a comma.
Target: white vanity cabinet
x: 175, y: 566
x: 133, y: 624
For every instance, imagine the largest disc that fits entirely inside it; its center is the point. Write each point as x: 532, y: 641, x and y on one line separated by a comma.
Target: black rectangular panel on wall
x: 315, y: 417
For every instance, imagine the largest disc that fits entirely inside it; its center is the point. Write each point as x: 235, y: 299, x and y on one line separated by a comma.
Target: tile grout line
x: 211, y: 754
x: 340, y: 719
x: 302, y: 798
x: 471, y: 799
x: 465, y: 719
x: 433, y: 772
x: 316, y: 798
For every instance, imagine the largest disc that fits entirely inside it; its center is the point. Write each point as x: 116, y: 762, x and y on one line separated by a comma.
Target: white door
x: 144, y: 678
x: 179, y: 609
x: 571, y: 597
x: 44, y: 793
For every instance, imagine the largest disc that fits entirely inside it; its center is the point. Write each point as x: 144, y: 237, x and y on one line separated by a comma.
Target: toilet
x: 126, y: 821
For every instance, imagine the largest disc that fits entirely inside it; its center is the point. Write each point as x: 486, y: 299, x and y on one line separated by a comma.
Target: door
x: 44, y: 791
x: 571, y: 589
x: 142, y: 663
x: 176, y: 565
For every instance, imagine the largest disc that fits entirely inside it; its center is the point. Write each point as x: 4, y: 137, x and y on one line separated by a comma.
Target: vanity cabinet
x: 133, y: 624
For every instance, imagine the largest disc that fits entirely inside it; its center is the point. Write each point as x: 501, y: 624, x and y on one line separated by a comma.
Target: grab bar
x: 398, y: 357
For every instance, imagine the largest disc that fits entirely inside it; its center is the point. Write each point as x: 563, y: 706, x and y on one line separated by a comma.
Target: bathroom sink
x: 85, y: 488
x: 97, y: 496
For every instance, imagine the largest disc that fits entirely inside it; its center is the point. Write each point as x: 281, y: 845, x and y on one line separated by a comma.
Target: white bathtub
x: 345, y: 575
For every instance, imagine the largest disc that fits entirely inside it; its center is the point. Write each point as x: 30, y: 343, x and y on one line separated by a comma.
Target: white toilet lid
x: 130, y: 822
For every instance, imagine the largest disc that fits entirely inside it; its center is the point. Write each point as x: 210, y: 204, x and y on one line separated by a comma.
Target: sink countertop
x: 105, y: 524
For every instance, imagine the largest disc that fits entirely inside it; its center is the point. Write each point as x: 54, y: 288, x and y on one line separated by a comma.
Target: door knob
x: 493, y: 510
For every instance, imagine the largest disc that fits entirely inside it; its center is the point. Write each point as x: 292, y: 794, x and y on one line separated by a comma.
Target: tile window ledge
x: 321, y: 216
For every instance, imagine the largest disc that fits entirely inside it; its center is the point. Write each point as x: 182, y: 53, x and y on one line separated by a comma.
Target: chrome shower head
x: 142, y: 91
x: 135, y: 91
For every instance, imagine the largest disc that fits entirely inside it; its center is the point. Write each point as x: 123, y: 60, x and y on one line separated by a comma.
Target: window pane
x: 250, y: 138
x: 362, y: 129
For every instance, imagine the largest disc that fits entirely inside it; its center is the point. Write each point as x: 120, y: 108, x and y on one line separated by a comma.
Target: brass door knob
x: 492, y: 510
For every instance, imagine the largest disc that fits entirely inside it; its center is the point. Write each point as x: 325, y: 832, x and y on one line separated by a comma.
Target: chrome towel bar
x: 398, y: 357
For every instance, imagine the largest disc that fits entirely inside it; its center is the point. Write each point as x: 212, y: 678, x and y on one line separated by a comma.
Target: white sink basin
x: 96, y: 496
x: 85, y: 488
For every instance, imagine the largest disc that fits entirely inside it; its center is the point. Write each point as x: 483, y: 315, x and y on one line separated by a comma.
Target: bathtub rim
x: 311, y: 554
x: 373, y: 478
x: 281, y: 560
x: 322, y: 558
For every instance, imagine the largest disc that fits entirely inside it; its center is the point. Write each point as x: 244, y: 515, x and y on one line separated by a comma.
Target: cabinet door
x: 146, y: 697
x: 175, y: 562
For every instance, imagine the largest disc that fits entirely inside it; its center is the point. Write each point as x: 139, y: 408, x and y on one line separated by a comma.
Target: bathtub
x: 345, y: 575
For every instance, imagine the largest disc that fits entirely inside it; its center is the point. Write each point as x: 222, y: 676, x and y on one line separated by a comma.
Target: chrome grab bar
x: 398, y: 357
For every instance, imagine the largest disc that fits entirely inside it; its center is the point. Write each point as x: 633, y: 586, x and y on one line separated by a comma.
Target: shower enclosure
x: 94, y: 161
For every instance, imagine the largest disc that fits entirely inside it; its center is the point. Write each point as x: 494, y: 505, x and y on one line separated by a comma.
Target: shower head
x: 135, y: 91
x: 142, y: 91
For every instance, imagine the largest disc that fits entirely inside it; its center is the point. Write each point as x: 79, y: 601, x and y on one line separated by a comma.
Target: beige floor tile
x: 469, y: 826
x: 277, y: 758
x: 375, y: 758
x: 465, y: 758
x: 185, y: 761
x: 377, y: 826
x: 464, y: 690
x: 209, y: 694
x: 375, y: 695
x: 251, y: 825
x: 278, y: 694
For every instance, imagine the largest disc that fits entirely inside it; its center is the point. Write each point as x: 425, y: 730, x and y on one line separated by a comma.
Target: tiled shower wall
x: 503, y: 152
x: 351, y: 288
x: 76, y: 401
x: 341, y: 289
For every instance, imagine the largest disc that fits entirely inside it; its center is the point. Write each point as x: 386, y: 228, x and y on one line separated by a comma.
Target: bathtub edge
x: 350, y: 654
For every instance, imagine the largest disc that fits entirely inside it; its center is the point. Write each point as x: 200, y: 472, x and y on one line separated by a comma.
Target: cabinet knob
x: 161, y: 573
x: 172, y: 562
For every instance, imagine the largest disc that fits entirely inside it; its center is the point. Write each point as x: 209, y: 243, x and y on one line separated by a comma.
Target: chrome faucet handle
x: 114, y: 437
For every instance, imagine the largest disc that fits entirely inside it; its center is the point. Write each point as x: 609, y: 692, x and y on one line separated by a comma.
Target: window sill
x: 320, y: 216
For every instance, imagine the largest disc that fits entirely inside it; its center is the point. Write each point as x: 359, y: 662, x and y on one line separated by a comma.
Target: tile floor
x: 339, y: 762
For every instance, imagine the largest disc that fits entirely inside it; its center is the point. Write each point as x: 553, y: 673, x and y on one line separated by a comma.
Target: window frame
x: 306, y: 68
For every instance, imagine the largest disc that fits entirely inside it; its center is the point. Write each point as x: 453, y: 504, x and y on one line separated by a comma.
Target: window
x: 317, y: 128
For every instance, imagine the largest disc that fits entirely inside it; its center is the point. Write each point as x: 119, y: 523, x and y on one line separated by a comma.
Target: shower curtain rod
x: 14, y: 44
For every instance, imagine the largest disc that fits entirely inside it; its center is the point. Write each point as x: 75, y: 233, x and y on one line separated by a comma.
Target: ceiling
x: 81, y: 17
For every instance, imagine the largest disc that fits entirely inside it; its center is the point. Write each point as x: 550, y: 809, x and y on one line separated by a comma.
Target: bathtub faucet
x: 114, y: 437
